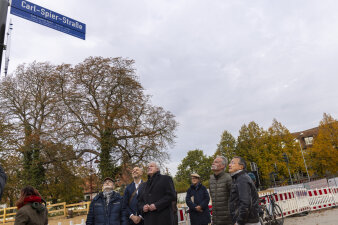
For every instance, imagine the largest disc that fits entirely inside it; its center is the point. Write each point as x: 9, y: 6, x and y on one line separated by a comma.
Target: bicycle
x: 270, y: 214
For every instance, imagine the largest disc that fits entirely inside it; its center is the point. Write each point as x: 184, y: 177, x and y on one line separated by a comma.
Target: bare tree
x: 107, y: 106
x: 28, y: 99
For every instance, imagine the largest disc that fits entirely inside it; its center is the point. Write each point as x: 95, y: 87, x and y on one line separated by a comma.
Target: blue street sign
x: 46, y: 17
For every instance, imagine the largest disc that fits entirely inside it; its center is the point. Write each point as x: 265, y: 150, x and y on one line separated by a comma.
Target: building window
x: 308, y: 140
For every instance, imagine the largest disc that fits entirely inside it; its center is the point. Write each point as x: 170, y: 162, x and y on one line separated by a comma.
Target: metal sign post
x: 3, y: 17
x: 8, y: 46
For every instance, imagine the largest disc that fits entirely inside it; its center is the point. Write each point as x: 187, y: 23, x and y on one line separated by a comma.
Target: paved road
x: 323, y: 217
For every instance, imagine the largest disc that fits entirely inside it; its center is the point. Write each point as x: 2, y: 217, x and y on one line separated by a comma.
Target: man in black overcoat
x: 155, y: 200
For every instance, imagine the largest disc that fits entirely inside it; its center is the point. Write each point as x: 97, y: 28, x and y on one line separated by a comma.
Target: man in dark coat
x: 175, y: 209
x: 106, y: 208
x: 130, y: 198
x: 156, y: 198
x: 197, y: 199
x: 3, y: 179
x: 244, y: 205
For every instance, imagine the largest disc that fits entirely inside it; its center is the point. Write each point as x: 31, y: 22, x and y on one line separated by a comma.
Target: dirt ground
x: 64, y: 221
x: 323, y: 217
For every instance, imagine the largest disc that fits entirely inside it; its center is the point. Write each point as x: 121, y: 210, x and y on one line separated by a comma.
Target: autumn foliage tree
x: 31, y: 105
x: 107, y: 106
x: 32, y: 110
x: 278, y: 140
x: 52, y: 116
x: 250, y: 142
x: 195, y: 162
x: 226, y: 146
x: 266, y: 148
x: 12, y: 166
x: 323, y: 155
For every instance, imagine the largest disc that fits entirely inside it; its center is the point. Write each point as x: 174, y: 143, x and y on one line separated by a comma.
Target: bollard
x: 82, y: 222
x: 59, y: 223
x: 70, y: 222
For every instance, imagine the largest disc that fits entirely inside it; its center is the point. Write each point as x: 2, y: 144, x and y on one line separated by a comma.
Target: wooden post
x: 4, y: 219
x: 64, y: 209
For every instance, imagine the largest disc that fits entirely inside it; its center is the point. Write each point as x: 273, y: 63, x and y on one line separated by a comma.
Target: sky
x: 216, y: 65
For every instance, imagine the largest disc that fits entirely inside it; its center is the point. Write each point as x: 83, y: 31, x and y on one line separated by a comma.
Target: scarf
x: 107, y: 196
x: 32, y: 198
x: 36, y: 203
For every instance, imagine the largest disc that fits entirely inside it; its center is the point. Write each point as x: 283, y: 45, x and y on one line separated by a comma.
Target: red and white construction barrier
x: 283, y: 202
x: 334, y: 191
x: 321, y: 198
x: 183, y: 216
x: 302, y: 200
x: 298, y: 200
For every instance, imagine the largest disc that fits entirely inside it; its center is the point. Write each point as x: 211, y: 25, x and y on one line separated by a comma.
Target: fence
x: 8, y: 214
x: 299, y: 200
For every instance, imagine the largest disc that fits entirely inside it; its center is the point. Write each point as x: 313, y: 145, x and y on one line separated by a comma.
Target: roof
x: 306, y: 133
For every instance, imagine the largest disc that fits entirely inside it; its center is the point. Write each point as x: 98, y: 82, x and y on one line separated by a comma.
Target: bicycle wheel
x: 266, y: 218
x: 278, y: 216
x: 261, y: 221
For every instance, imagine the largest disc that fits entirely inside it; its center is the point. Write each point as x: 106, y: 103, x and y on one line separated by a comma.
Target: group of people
x: 234, y: 196
x: 144, y: 203
x: 153, y: 202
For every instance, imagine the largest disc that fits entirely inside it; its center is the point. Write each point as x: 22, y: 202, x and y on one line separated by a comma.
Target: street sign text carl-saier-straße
x: 46, y: 17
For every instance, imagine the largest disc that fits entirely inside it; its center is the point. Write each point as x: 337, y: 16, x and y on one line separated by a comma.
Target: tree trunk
x: 106, y: 165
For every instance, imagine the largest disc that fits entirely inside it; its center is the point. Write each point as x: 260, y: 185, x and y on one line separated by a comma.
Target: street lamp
x: 286, y: 159
x: 301, y: 150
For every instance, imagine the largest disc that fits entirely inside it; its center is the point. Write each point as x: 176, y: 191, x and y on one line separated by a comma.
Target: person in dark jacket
x: 130, y: 198
x: 3, y: 179
x: 156, y: 198
x: 197, y: 199
x: 244, y: 200
x: 31, y: 208
x: 106, y: 208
